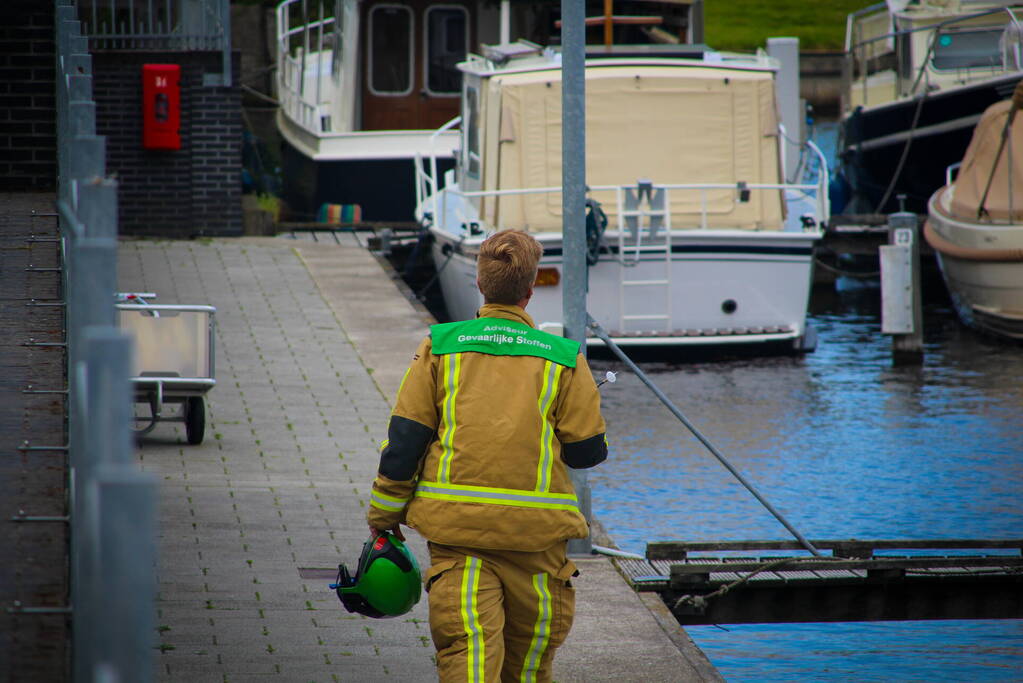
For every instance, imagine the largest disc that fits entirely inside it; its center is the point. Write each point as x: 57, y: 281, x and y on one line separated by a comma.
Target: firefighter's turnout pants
x: 499, y: 615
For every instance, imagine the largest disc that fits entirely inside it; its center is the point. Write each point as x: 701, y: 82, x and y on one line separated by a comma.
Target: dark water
x: 844, y: 445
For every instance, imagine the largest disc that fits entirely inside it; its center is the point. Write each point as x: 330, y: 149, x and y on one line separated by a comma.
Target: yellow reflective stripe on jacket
x: 404, y: 377
x: 452, y: 367
x: 386, y: 502
x: 497, y: 496
x: 475, y: 656
x: 541, y: 630
x: 551, y: 377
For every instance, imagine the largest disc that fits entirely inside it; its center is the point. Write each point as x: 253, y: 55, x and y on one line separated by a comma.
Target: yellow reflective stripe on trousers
x: 497, y: 496
x: 452, y: 366
x: 551, y: 377
x: 475, y: 654
x: 385, y: 502
x: 541, y: 630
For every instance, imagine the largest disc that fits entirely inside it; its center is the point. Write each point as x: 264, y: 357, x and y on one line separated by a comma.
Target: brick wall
x: 190, y: 192
x: 28, y: 128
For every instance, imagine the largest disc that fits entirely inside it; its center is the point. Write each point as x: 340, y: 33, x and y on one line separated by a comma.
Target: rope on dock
x: 602, y: 334
x: 866, y: 275
x: 700, y: 601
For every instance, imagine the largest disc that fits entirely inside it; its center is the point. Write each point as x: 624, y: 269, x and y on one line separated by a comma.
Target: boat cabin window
x: 390, y: 50
x: 471, y: 131
x: 964, y: 49
x: 447, y: 41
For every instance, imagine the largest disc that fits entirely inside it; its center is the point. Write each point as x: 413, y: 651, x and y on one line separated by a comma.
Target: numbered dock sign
x: 161, y: 106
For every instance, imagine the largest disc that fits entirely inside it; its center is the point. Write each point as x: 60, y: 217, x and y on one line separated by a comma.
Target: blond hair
x: 506, y: 266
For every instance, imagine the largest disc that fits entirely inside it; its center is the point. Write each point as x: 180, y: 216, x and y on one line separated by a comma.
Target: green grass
x: 745, y: 25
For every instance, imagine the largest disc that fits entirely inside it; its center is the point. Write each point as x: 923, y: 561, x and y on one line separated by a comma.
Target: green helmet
x: 387, y: 582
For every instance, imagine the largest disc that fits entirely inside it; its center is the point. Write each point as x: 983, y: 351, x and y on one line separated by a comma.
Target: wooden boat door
x: 410, y: 48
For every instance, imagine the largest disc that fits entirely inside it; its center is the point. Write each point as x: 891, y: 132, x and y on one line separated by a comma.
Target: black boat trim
x: 922, y: 132
x: 709, y: 249
x: 751, y: 250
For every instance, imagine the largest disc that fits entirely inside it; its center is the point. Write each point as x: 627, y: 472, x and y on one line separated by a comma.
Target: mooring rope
x: 700, y: 601
x: 603, y: 336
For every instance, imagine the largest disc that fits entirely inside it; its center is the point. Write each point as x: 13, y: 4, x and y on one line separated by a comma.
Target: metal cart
x: 174, y: 360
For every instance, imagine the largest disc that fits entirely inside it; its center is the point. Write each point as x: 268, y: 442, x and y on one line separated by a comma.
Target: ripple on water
x: 845, y: 446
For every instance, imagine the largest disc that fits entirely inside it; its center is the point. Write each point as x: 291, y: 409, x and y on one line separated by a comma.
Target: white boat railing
x: 295, y: 45
x: 951, y: 171
x: 864, y: 54
x: 818, y: 189
x: 427, y: 182
x: 428, y: 196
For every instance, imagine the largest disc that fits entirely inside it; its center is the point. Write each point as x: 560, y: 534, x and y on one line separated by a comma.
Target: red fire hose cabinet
x: 161, y: 106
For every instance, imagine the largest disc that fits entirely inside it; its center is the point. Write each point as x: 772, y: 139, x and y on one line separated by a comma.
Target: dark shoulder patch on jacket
x: 407, y: 441
x: 586, y: 453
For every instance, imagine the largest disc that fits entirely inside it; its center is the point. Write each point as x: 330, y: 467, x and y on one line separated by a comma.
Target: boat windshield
x: 964, y: 49
x: 471, y: 132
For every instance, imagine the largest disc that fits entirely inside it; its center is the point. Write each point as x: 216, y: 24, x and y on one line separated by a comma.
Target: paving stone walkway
x: 282, y: 478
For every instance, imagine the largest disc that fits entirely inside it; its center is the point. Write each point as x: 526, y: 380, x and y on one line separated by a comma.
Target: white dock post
x: 901, y: 308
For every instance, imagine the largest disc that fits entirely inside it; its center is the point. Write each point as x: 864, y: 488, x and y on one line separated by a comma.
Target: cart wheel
x: 195, y: 419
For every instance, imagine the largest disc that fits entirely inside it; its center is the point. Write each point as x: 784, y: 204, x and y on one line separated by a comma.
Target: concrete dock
x: 312, y: 341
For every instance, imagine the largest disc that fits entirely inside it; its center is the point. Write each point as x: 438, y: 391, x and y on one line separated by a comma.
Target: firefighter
x: 488, y: 418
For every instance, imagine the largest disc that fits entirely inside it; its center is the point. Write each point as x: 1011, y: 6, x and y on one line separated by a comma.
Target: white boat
x: 975, y: 225
x: 364, y: 85
x: 704, y: 243
x: 918, y: 74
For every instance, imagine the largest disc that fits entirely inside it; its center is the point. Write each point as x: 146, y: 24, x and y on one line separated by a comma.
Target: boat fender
x: 838, y: 193
x: 596, y: 223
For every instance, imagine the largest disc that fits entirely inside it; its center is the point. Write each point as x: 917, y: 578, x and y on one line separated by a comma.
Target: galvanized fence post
x: 91, y: 284
x: 573, y: 203
x: 111, y: 503
x: 127, y: 552
x: 115, y: 588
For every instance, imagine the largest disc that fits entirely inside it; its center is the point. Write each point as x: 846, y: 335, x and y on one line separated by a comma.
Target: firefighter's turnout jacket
x: 487, y: 417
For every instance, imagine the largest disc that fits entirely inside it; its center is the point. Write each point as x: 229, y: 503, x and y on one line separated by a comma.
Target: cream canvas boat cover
x: 667, y: 124
x: 979, y: 161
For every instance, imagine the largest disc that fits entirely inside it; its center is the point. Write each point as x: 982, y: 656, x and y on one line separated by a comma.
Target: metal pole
x: 573, y: 203
x: 505, y: 22
x: 225, y: 46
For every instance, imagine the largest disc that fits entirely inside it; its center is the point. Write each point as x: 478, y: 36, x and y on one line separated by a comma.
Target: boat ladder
x: 644, y: 248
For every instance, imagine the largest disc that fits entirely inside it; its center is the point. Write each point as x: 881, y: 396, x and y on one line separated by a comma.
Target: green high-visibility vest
x: 501, y: 337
